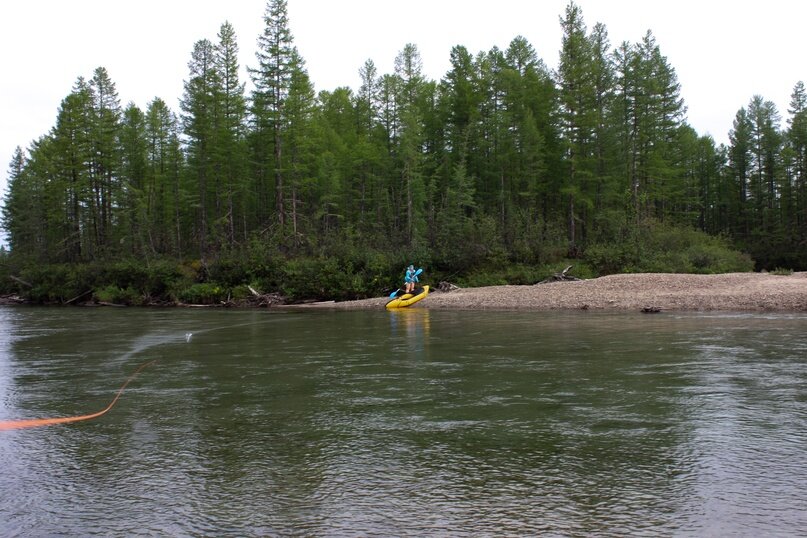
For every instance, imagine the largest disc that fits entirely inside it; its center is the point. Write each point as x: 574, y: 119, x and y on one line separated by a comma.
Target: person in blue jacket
x: 410, y: 279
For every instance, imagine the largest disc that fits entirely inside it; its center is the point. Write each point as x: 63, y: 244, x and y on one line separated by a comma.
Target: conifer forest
x: 499, y: 172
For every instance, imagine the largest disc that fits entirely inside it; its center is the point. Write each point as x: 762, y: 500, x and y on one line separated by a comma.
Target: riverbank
x: 652, y: 292
x: 742, y: 292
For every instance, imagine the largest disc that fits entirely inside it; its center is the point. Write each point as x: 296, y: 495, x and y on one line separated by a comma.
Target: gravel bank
x: 741, y: 292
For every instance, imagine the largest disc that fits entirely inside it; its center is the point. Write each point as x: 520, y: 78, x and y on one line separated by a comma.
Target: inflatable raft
x: 408, y: 299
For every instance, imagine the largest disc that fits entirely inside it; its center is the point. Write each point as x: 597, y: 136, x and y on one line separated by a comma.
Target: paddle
x: 394, y: 293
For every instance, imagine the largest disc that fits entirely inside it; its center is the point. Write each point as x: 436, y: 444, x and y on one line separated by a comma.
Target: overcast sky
x: 724, y: 51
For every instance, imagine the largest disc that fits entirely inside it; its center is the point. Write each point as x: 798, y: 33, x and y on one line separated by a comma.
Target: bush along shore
x: 257, y: 279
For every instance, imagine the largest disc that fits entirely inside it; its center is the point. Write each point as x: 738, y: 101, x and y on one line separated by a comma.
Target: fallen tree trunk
x: 447, y: 286
x: 266, y: 299
x: 560, y: 277
x: 20, y: 281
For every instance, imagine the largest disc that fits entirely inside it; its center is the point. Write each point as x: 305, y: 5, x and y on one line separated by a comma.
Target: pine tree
x: 604, y: 144
x: 20, y: 205
x: 578, y: 120
x: 167, y: 199
x: 198, y: 120
x: 299, y: 110
x: 651, y: 112
x: 35, y: 205
x: 230, y: 155
x: 740, y: 160
x: 272, y: 79
x: 107, y: 191
x: 765, y: 150
x: 73, y: 177
x: 367, y: 99
x: 408, y: 71
x: 797, y: 142
x: 135, y: 224
x: 461, y: 99
x: 369, y: 151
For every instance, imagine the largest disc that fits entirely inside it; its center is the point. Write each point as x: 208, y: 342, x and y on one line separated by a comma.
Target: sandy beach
x: 741, y: 292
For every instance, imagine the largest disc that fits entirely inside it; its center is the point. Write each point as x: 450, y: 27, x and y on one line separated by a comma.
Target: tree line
x: 500, y: 161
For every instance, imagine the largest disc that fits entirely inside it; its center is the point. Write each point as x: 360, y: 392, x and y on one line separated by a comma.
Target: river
x: 410, y: 423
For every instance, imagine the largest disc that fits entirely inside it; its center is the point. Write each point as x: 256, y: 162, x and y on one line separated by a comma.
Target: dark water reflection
x: 410, y: 423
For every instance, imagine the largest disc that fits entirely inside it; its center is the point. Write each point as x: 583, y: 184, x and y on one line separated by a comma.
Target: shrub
x: 202, y: 293
x: 228, y: 272
x: 116, y: 295
x: 610, y: 258
x: 658, y: 248
x: 314, y: 278
x: 58, y: 283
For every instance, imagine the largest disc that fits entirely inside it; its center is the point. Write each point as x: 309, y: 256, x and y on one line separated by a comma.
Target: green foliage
x: 203, y: 293
x: 665, y: 249
x: 7, y: 284
x: 113, y: 294
x: 314, y: 278
x: 497, y: 171
x: 240, y: 293
x: 58, y: 283
x: 523, y: 275
x: 229, y: 272
x: 125, y: 282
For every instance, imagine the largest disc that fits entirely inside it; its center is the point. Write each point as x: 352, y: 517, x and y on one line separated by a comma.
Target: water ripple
x: 439, y: 424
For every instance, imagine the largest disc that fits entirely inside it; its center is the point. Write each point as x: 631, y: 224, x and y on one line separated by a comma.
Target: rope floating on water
x: 37, y: 422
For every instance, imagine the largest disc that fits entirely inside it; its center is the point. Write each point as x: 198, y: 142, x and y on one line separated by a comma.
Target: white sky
x: 724, y: 51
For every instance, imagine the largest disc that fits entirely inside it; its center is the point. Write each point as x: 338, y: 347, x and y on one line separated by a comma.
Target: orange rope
x: 36, y: 422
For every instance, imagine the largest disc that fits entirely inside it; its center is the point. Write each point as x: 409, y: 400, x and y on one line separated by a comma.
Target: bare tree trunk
x: 281, y: 211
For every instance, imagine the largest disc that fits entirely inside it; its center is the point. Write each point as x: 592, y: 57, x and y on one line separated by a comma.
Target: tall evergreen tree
x: 272, y: 79
x: 73, y: 157
x: 408, y: 70
x: 107, y: 191
x: 198, y: 120
x: 370, y: 150
x: 765, y: 151
x: 578, y: 121
x: 298, y: 113
x: 797, y: 142
x: 607, y: 194
x: 135, y: 227
x: 19, y: 205
x: 165, y: 199
x: 230, y: 154
x: 652, y: 112
x: 740, y: 160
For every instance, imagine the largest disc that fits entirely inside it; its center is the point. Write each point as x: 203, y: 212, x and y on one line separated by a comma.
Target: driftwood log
x: 560, y: 277
x: 266, y: 299
x: 447, y: 286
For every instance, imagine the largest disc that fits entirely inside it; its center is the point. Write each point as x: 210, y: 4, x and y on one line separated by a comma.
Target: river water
x: 411, y: 423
